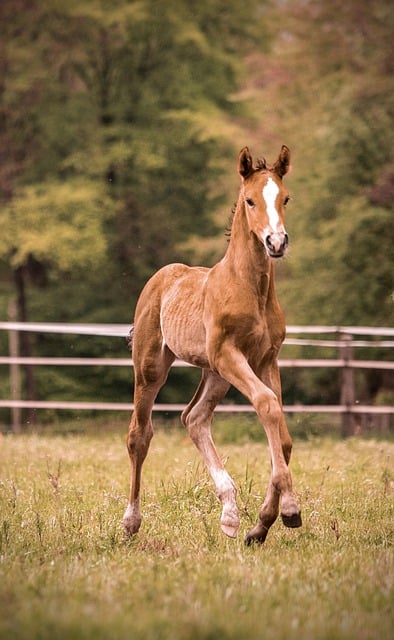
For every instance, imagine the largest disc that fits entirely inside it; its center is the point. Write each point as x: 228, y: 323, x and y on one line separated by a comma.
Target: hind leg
x: 138, y: 441
x: 149, y: 378
x: 197, y: 418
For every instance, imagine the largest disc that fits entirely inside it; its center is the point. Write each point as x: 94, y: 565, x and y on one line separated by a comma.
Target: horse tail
x: 130, y: 338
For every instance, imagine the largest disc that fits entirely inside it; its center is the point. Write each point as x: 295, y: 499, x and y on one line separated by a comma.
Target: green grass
x: 66, y: 570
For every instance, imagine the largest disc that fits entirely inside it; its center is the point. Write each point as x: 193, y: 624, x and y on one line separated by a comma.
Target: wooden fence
x: 345, y: 340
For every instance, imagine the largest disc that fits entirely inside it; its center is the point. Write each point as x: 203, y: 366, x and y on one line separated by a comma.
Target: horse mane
x: 229, y: 226
x: 129, y: 338
x: 261, y: 164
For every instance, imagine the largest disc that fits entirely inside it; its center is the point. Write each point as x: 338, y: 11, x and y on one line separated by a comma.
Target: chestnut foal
x: 227, y: 321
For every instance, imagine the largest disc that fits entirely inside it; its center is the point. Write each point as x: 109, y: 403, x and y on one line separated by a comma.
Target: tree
x: 327, y: 87
x: 114, y: 117
x: 334, y: 90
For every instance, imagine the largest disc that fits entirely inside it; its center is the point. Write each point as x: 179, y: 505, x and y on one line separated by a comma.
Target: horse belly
x: 182, y: 319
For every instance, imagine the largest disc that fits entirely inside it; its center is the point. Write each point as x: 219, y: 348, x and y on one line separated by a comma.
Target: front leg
x: 233, y: 366
x: 290, y: 513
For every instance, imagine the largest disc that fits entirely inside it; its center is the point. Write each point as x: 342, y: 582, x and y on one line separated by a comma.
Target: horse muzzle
x: 276, y: 244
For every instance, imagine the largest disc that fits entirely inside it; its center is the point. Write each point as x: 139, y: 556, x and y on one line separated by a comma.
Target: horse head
x: 265, y: 198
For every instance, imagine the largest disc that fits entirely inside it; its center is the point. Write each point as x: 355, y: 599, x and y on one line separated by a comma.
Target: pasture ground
x: 66, y: 570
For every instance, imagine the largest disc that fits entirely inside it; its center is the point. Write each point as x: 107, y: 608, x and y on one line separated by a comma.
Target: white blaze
x: 270, y: 191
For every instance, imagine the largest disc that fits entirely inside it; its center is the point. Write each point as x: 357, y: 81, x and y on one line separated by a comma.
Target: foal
x: 227, y: 321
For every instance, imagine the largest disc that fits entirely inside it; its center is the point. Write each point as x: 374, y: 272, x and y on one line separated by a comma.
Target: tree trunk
x: 15, y: 386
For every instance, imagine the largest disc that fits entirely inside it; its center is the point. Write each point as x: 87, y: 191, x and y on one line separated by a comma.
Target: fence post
x: 348, y: 424
x: 15, y: 379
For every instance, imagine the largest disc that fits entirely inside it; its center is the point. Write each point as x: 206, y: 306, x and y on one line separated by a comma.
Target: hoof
x: 257, y: 535
x: 130, y: 529
x: 229, y: 530
x: 292, y: 521
x: 249, y: 540
x: 131, y: 521
x: 229, y: 521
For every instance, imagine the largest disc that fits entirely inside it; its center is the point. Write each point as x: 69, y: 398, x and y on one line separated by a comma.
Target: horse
x: 227, y: 321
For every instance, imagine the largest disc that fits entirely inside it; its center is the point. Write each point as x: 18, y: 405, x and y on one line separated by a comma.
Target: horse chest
x: 265, y: 342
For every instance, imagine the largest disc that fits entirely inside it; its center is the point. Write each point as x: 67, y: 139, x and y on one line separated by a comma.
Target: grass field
x: 66, y: 571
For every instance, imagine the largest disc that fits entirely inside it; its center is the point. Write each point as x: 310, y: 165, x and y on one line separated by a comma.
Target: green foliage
x: 119, y: 128
x: 66, y: 570
x: 114, y: 117
x: 342, y: 165
x: 132, y: 101
x: 60, y: 224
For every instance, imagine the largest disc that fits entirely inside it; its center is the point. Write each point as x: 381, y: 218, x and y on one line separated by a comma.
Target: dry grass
x: 67, y: 572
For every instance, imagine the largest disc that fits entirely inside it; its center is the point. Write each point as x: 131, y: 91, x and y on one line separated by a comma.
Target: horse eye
x: 250, y: 202
x: 286, y: 200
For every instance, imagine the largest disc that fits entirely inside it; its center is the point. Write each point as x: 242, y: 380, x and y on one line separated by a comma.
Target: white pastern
x: 223, y: 482
x: 132, y: 518
x: 225, y: 487
x: 270, y: 191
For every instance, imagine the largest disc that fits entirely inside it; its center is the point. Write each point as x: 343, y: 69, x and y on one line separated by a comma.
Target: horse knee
x: 269, y: 409
x: 138, y: 440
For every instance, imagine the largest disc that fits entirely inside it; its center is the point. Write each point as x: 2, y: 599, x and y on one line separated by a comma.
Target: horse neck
x: 246, y: 256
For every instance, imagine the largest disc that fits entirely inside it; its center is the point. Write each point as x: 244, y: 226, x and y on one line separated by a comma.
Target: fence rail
x: 127, y: 362
x: 344, y: 341
x: 222, y: 408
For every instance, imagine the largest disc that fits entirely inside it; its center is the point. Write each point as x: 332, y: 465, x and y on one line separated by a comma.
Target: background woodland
x: 120, y: 125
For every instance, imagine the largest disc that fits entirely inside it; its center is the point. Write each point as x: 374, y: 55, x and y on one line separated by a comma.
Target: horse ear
x: 282, y: 165
x: 245, y: 163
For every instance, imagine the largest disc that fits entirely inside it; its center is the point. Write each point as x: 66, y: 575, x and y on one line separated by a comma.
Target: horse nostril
x: 277, y: 243
x: 269, y: 243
